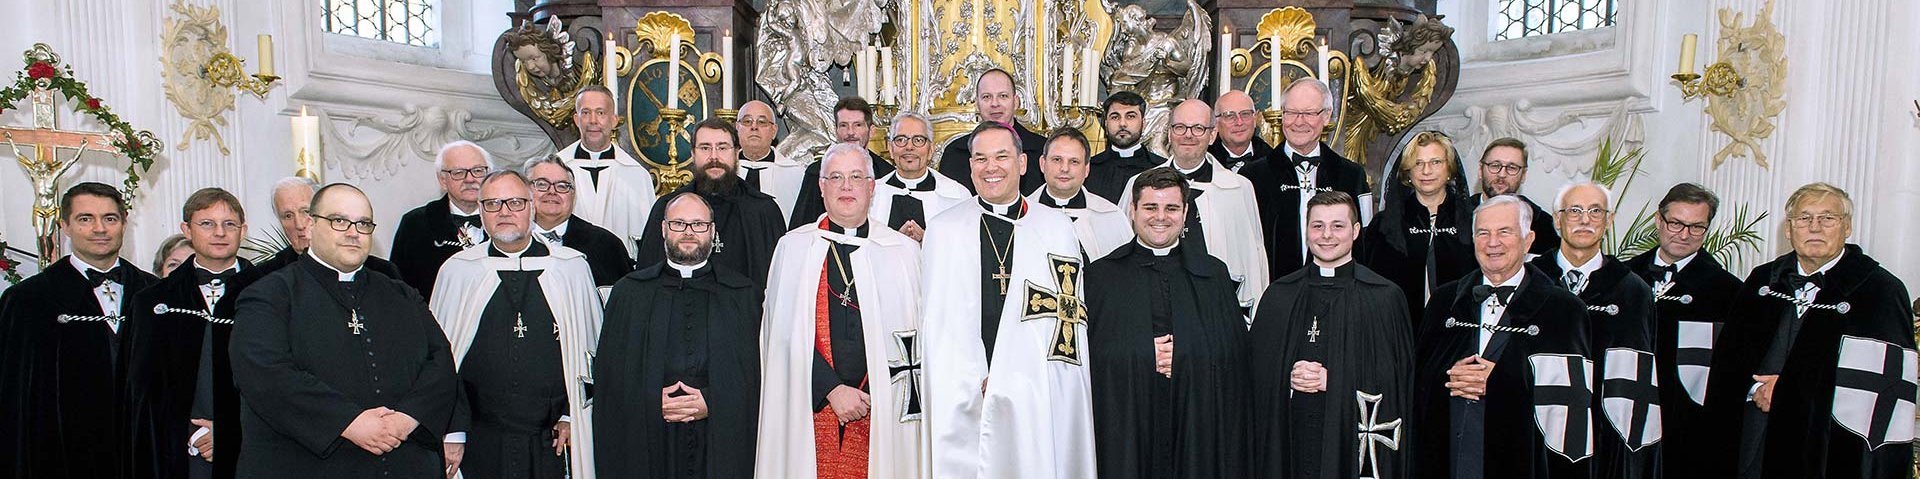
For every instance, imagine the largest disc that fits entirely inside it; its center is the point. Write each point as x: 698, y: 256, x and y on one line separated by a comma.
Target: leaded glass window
x: 411, y: 22
x: 1531, y: 18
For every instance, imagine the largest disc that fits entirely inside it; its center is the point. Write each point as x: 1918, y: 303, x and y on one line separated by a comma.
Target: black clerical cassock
x: 427, y: 236
x: 1353, y: 323
x: 747, y: 223
x: 1690, y: 301
x: 698, y: 326
x: 1281, y: 196
x: 1628, y: 436
x: 61, y: 370
x: 312, y: 348
x: 178, y: 370
x: 1147, y: 425
x: 1841, y: 342
x: 1418, y: 250
x: 1534, y: 419
x: 606, y: 253
x: 1109, y: 171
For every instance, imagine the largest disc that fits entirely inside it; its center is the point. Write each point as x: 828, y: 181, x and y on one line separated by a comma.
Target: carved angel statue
x: 545, y: 70
x: 1163, y: 67
x: 1387, y: 103
x: 799, y: 41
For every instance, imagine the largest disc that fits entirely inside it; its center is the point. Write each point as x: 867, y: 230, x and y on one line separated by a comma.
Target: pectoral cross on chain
x: 718, y: 245
x: 1313, y: 333
x: 1002, y: 277
x: 353, y: 322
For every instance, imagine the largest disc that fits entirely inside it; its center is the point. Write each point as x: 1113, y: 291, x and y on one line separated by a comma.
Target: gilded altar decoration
x: 665, y: 94
x: 800, y: 40
x: 1163, y: 67
x: 546, y: 71
x: 189, y: 40
x: 1393, y: 94
x: 1758, y: 52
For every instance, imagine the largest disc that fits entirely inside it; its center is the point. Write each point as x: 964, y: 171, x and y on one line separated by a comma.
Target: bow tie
x: 1304, y: 162
x: 551, y: 237
x: 1818, y: 280
x: 1482, y: 292
x: 116, y: 275
x: 470, y: 220
x: 1661, y: 270
x: 204, y: 277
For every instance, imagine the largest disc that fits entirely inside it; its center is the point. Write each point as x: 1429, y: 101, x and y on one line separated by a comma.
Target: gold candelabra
x: 728, y: 114
x: 676, y: 122
x: 226, y: 70
x: 1720, y: 80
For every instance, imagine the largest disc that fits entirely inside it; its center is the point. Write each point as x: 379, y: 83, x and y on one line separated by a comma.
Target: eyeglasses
x: 555, y: 186
x: 341, y: 223
x: 837, y: 179
x: 696, y: 226
x: 1297, y: 114
x: 1578, y: 213
x: 209, y: 225
x: 1825, y: 220
x: 1236, y: 116
x: 1189, y: 130
x: 1428, y: 163
x: 1502, y: 169
x: 512, y: 204
x: 712, y: 147
x: 913, y: 140
x: 475, y: 172
x: 1675, y: 227
x: 757, y: 122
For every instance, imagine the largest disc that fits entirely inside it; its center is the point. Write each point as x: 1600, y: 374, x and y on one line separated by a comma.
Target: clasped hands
x: 380, y: 430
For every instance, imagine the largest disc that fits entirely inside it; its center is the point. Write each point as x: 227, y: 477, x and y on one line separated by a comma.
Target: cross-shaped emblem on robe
x: 906, y: 374
x: 1374, y: 433
x: 1064, y: 306
x: 353, y: 323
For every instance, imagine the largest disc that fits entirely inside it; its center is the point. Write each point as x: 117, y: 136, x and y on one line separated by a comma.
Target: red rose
x: 93, y: 103
x: 133, y: 144
x: 41, y: 70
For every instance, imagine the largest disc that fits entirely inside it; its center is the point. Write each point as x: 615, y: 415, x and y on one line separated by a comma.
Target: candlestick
x: 726, y: 69
x: 1273, y: 71
x: 266, y: 54
x: 1687, y: 44
x: 1226, y: 58
x: 673, y: 72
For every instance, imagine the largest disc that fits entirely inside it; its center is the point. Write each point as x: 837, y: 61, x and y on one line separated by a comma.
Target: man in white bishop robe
x: 1099, y: 224
x: 763, y: 167
x: 611, y: 188
x: 914, y: 192
x: 1004, y: 330
x: 1224, y: 213
x: 871, y: 422
x: 466, y: 294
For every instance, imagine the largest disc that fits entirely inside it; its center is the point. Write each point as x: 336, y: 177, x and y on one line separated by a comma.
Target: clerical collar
x: 1159, y: 251
x: 454, y: 208
x: 688, y: 271
x: 1199, y: 174
x: 1346, y: 264
x: 1823, y: 268
x: 1593, y: 264
x: 897, y: 180
x: 1230, y: 153
x: 345, y: 276
x: 533, y: 248
x: 830, y: 226
x: 1513, y: 281
x: 767, y: 158
x: 1290, y: 151
x: 1075, y: 202
x: 1677, y: 265
x: 1126, y: 152
x: 602, y: 154
x: 1008, y: 211
x: 558, y: 230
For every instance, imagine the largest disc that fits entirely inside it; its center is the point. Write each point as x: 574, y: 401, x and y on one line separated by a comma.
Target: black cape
x: 304, y: 375
x: 1280, y: 208
x: 1146, y: 425
x: 1366, y: 343
x: 1545, y: 237
x: 163, y: 373
x: 1396, y: 245
x: 427, y: 236
x: 1800, y: 436
x: 1620, y: 310
x: 1700, y: 295
x: 606, y: 253
x: 635, y: 345
x: 955, y: 156
x: 1512, y: 443
x: 749, y: 226
x: 808, y: 207
x: 60, y: 382
x: 1108, y: 172
x: 1219, y: 151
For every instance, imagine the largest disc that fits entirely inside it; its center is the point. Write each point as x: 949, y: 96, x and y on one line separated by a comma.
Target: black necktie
x: 204, y: 277
x: 1503, y: 293
x: 116, y: 275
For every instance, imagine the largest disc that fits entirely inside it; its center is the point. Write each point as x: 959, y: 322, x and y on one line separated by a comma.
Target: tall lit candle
x: 1320, y: 52
x: 1687, y: 44
x: 1273, y: 71
x: 1090, y: 61
x: 889, y: 88
x: 726, y: 69
x: 1226, y: 58
x: 865, y: 63
x: 306, y: 144
x: 1067, y: 66
x: 610, y: 65
x: 266, y: 54
x: 673, y: 72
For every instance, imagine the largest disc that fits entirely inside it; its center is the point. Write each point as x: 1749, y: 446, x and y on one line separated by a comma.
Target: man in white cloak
x: 762, y: 166
x: 914, y: 192
x: 1224, y: 214
x: 1004, y: 329
x: 1097, y: 223
x: 611, y: 189
x: 523, y: 318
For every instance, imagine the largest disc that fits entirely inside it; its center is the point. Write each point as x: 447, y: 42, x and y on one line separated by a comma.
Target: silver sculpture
x: 1163, y: 67
x: 800, y: 40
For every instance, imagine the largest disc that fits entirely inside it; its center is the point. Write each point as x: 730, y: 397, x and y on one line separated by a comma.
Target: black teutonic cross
x: 1578, y: 400
x: 1888, y: 389
x: 1643, y: 394
x: 1063, y: 306
x: 907, y: 370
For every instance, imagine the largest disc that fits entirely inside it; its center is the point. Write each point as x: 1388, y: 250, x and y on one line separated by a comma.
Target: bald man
x: 763, y: 168
x: 1239, y: 124
x: 1221, y: 218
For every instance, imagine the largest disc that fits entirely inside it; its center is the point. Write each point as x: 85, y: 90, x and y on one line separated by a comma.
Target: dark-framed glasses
x: 1502, y: 169
x: 1578, y: 212
x: 911, y: 140
x: 554, y: 186
x: 1676, y: 227
x: 1189, y: 130
x: 678, y: 226
x: 342, y: 223
x: 512, y: 204
x: 461, y: 174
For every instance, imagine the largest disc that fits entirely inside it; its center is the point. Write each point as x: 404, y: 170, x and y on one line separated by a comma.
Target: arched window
x: 409, y: 22
x: 1530, y: 18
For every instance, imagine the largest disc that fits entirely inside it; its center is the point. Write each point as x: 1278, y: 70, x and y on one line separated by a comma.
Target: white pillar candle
x: 610, y: 67
x: 889, y: 88
x: 1068, y: 65
x: 1226, y: 59
x: 726, y: 69
x: 266, y: 54
x: 306, y: 143
x: 1273, y: 71
x: 1321, y: 68
x: 673, y: 72
x: 1090, y: 62
x: 1687, y: 43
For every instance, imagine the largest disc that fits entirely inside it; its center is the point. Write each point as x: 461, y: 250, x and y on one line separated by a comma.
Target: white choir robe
x: 779, y: 178
x: 1035, y: 419
x: 622, y: 199
x: 885, y: 268
x: 1230, y: 220
x: 945, y: 194
x: 1101, y: 227
x: 467, y: 282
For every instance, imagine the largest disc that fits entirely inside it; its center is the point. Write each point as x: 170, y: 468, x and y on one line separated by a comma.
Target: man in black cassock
x: 1502, y: 379
x: 678, y: 374
x: 1620, y: 309
x: 341, y: 373
x: 1108, y: 172
x: 995, y: 99
x: 1239, y: 142
x: 746, y: 222
x: 852, y: 124
x: 555, y: 224
x: 1814, y: 370
x: 1297, y: 170
x: 434, y: 231
x: 1157, y: 414
x: 179, y: 382
x: 1423, y: 236
x: 1503, y: 167
x: 1691, y: 296
x: 1332, y: 388
x: 60, y: 359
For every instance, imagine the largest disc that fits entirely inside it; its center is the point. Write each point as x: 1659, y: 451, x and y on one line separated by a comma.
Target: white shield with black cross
x: 1563, y: 403
x: 1693, y: 356
x: 1630, y: 395
x: 1874, y: 390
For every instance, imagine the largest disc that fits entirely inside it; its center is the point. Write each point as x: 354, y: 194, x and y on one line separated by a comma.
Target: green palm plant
x: 258, y: 249
x: 1728, y: 242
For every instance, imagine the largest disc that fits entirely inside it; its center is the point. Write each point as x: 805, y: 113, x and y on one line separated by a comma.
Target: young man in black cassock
x: 60, y: 361
x: 677, y: 379
x: 1331, y: 389
x: 179, y: 393
x: 1157, y: 414
x: 1814, y: 370
x: 430, y: 234
x: 341, y: 373
x: 747, y: 223
x: 1502, y: 380
x: 1691, y: 296
x: 555, y: 224
x: 1423, y: 237
x: 1126, y: 155
x: 1297, y: 170
x: 1619, y: 305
